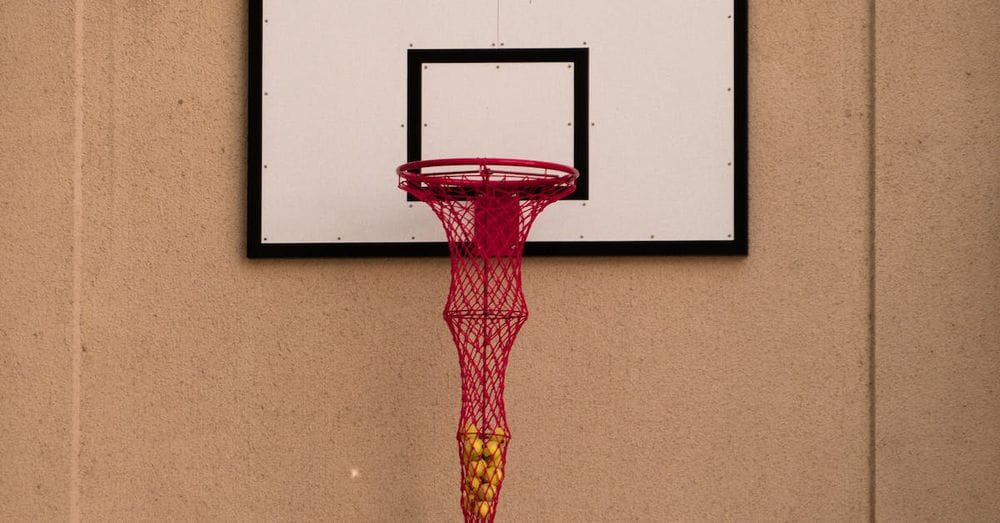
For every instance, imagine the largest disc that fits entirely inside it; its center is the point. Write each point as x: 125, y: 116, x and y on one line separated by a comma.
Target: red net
x: 487, y: 207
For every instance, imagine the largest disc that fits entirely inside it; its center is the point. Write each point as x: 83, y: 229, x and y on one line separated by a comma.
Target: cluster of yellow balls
x: 483, y: 462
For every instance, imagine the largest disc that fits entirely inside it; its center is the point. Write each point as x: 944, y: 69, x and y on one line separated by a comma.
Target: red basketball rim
x: 509, y: 173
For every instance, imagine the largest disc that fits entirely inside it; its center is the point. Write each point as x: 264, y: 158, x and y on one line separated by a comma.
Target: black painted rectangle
x: 578, y: 56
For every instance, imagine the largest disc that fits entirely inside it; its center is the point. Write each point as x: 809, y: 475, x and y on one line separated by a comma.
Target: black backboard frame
x: 738, y: 245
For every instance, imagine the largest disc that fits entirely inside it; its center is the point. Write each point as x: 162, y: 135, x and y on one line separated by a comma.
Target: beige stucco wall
x: 149, y: 371
x: 937, y: 277
x: 36, y: 258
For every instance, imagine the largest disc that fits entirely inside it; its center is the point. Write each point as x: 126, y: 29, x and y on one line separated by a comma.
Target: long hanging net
x: 487, y: 206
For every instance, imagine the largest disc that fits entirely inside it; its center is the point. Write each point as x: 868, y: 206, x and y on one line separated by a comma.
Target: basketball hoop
x: 487, y: 206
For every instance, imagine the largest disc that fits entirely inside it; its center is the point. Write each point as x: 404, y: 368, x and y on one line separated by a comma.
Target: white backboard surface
x: 342, y: 92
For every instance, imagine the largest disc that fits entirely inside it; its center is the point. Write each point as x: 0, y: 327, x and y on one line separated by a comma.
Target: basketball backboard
x: 646, y: 98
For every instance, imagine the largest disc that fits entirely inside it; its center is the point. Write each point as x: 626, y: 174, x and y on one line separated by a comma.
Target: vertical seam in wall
x: 77, y: 347
x: 872, y: 264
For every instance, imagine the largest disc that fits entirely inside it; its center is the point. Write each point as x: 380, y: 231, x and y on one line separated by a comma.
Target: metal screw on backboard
x: 584, y: 204
x: 338, y: 238
x: 413, y: 237
x: 651, y: 236
x: 411, y: 205
x: 581, y: 236
x: 729, y: 163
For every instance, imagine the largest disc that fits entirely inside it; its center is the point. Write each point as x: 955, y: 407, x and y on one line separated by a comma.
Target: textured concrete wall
x: 37, y: 168
x: 207, y: 386
x: 938, y: 260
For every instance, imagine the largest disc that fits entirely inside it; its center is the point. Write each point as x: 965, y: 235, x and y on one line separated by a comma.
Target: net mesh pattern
x: 487, y: 211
